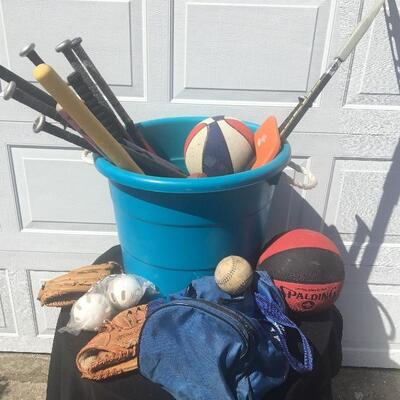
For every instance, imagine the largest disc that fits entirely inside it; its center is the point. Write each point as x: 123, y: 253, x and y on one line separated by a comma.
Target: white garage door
x: 245, y: 58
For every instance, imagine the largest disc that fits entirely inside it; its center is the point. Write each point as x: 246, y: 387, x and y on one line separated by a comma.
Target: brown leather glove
x: 66, y: 289
x: 113, y: 351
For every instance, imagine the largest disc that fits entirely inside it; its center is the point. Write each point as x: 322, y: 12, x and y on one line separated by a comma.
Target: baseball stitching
x: 229, y: 275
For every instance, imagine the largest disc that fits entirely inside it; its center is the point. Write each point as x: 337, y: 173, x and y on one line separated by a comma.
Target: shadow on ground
x: 3, y: 386
x: 367, y: 384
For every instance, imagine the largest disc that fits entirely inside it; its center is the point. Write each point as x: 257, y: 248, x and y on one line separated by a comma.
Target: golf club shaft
x: 306, y: 103
x: 27, y: 87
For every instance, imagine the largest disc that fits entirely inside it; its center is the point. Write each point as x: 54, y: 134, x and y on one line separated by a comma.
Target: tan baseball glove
x: 66, y: 289
x: 113, y: 351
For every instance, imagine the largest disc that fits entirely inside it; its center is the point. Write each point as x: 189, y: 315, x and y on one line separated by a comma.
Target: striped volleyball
x: 219, y: 146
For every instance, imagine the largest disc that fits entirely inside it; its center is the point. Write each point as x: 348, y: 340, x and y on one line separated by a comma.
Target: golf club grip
x: 9, y: 76
x: 362, y: 27
x: 64, y: 95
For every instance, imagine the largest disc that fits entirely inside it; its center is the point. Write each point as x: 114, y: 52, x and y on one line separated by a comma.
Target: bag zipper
x: 242, y: 325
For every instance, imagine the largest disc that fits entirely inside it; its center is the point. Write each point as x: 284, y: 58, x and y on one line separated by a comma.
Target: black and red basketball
x: 306, y: 266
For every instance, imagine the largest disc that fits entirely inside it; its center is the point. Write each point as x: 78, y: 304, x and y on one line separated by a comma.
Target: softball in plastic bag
x: 89, y: 312
x: 125, y: 291
x: 105, y: 299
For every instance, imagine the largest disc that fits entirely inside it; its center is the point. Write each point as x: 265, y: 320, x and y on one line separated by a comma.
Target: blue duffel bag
x: 204, y: 344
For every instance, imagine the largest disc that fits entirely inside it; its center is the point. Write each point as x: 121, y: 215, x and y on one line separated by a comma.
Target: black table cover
x: 324, y: 331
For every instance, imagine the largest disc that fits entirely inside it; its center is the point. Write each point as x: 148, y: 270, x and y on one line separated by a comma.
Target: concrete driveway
x: 24, y: 376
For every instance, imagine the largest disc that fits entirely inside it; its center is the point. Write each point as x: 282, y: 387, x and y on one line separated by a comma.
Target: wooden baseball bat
x: 60, y: 91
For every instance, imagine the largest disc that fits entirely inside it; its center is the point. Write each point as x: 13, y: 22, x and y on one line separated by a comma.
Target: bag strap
x: 276, y: 316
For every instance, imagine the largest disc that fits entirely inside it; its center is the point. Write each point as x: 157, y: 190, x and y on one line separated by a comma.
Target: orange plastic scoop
x: 267, y: 142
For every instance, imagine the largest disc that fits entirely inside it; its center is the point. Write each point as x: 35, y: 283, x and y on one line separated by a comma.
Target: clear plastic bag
x: 105, y: 299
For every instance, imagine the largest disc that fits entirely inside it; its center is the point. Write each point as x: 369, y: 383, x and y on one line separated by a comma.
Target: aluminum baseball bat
x: 151, y: 163
x: 40, y: 124
x: 64, y: 95
x: 65, y: 48
x: 29, y: 52
x: 102, y: 113
x: 26, y: 86
x: 81, y: 77
x: 306, y: 103
x: 130, y: 126
x: 77, y: 128
x: 359, y: 32
x: 11, y: 91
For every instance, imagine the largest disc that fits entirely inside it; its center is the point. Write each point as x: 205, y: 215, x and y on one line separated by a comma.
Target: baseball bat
x: 40, y: 124
x: 130, y: 126
x: 63, y: 94
x: 65, y: 48
x: 77, y: 128
x: 102, y: 113
x: 27, y: 87
x: 151, y: 163
x: 12, y: 91
x: 30, y: 52
x: 306, y: 102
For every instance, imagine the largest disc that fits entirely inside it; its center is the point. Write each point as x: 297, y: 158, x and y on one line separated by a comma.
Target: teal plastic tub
x: 175, y: 230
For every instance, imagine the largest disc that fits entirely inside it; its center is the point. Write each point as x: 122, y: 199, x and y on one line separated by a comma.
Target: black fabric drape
x: 324, y: 331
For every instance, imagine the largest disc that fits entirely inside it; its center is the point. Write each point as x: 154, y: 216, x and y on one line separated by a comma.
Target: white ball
x: 90, y: 311
x: 124, y: 291
x: 233, y: 275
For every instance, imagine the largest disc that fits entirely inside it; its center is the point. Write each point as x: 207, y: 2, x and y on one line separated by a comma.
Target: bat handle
x: 64, y: 95
x: 360, y: 31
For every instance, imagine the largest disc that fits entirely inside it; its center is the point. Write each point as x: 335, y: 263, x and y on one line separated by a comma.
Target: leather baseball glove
x: 66, y: 289
x: 113, y: 351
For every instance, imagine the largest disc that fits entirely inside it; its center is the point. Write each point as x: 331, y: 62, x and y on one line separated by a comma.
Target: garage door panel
x: 57, y: 190
x: 379, y: 305
x: 7, y: 322
x: 45, y: 317
x: 215, y: 56
x: 363, y: 199
x: 375, y: 73
x: 116, y: 33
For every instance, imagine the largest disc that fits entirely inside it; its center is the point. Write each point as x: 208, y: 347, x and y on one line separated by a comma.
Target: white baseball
x: 124, y: 291
x: 233, y: 275
x: 90, y: 311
